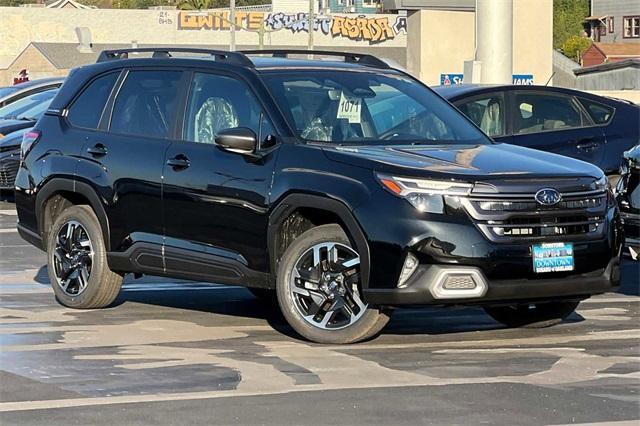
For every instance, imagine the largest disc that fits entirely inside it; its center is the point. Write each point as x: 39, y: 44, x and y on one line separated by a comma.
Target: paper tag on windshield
x: 349, y: 108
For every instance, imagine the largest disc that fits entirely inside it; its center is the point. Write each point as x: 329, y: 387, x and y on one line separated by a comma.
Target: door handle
x: 98, y: 150
x: 587, y: 145
x: 179, y: 162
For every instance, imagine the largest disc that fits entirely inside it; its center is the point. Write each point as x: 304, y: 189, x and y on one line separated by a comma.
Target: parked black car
x: 10, y: 159
x: 10, y: 94
x: 25, y: 112
x: 345, y: 185
x: 569, y: 122
x: 628, y: 196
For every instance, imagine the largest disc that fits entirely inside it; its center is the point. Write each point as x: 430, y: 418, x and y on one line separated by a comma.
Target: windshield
x: 29, y: 107
x: 351, y: 107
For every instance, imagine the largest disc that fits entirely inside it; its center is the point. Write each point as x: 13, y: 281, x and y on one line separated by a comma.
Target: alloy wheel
x: 324, y: 286
x: 72, y: 258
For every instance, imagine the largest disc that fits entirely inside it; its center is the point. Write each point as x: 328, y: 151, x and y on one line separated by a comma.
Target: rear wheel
x: 77, y: 261
x: 318, y: 288
x: 532, y: 315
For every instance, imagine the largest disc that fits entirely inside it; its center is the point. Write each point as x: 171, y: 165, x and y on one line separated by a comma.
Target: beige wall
x: 533, y: 38
x: 629, y: 95
x: 20, y: 26
x: 440, y: 41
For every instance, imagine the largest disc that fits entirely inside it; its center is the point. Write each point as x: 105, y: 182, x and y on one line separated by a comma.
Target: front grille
x: 8, y: 172
x: 516, y: 217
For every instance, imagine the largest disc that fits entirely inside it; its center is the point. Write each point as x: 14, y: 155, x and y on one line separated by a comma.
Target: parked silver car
x: 10, y: 94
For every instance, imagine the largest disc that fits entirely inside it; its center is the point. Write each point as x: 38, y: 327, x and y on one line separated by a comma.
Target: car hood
x: 464, y: 162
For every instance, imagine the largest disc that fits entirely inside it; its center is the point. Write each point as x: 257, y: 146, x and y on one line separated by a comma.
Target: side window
x: 146, y: 103
x: 487, y: 112
x: 599, y: 113
x: 86, y: 110
x: 540, y: 113
x: 216, y: 103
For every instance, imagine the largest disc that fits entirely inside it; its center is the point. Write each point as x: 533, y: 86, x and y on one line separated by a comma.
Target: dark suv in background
x: 346, y: 186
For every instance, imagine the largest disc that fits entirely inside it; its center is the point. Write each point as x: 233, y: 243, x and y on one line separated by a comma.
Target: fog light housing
x: 408, y: 268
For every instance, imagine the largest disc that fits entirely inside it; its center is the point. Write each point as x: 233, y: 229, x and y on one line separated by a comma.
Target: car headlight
x: 425, y: 195
x: 602, y: 183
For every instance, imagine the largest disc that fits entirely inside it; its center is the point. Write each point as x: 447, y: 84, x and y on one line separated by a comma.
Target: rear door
x: 620, y: 123
x: 555, y: 122
x: 124, y: 159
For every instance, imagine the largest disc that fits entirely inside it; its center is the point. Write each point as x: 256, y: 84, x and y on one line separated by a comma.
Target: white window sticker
x: 349, y: 108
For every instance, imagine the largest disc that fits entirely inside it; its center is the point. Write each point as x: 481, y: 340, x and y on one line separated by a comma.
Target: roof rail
x: 357, y: 58
x: 165, y: 52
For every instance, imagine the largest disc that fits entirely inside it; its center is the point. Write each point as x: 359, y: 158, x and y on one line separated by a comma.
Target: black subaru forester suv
x: 344, y: 186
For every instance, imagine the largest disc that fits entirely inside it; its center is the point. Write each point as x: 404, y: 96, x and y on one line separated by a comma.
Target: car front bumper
x: 429, y: 286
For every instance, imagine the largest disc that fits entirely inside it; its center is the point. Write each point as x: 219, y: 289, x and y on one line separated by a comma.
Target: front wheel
x: 532, y: 315
x: 318, y: 288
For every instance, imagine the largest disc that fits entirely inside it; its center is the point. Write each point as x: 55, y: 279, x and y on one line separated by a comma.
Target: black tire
x: 536, y: 315
x: 369, y: 324
x: 103, y: 285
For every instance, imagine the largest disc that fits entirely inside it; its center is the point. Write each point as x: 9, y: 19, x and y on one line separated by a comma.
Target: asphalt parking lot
x: 181, y: 352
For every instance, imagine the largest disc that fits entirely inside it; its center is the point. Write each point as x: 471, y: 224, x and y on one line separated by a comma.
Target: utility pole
x: 311, y: 24
x: 494, y: 40
x: 232, y: 23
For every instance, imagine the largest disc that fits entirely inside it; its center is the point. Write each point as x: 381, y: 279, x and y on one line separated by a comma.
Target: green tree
x: 575, y: 46
x: 195, y: 4
x: 568, y: 17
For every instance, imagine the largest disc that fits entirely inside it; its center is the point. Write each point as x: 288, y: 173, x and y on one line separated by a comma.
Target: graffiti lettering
x: 358, y: 28
x: 164, y: 18
x: 362, y: 28
x: 219, y: 20
x: 401, y: 25
x: 297, y: 22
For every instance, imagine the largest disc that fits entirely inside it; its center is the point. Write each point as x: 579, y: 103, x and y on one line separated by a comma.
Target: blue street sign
x: 523, y: 79
x: 451, y: 79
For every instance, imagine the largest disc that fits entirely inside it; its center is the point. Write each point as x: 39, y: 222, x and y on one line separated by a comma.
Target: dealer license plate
x: 552, y: 257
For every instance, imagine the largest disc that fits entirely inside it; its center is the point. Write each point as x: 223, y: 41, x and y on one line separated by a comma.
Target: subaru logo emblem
x: 548, y: 196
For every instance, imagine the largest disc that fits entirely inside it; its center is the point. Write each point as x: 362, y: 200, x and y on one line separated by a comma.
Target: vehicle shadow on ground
x: 239, y: 302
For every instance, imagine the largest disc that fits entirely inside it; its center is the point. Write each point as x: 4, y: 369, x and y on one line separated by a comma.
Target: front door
x: 215, y: 201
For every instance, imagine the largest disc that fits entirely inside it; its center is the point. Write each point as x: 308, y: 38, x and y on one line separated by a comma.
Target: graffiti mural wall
x: 384, y: 35
x: 370, y: 29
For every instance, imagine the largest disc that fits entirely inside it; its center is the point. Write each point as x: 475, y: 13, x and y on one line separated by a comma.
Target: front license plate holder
x: 552, y: 257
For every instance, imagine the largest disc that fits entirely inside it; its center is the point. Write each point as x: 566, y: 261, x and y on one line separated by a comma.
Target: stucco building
x: 430, y: 38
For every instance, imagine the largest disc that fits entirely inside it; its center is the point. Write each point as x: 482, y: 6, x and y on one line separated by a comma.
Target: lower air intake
x: 459, y: 282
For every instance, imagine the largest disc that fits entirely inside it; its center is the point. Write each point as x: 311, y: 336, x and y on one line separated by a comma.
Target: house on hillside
x: 613, y: 21
x: 600, y: 53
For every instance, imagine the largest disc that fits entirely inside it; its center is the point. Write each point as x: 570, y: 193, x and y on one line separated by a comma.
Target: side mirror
x: 240, y: 140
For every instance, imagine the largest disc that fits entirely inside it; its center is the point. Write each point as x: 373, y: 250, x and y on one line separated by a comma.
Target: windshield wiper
x: 27, y: 118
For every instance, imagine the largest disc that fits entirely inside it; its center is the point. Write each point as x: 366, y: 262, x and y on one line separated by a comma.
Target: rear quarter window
x: 599, y: 113
x: 87, y: 109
